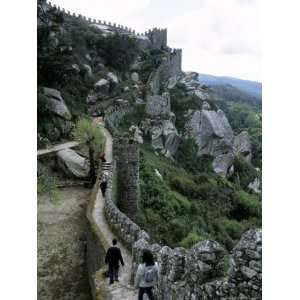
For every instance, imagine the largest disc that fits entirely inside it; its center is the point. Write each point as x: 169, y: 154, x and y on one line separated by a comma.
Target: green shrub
x: 244, y: 172
x: 190, y: 240
x: 205, y: 163
x: 48, y: 185
x: 132, y: 118
x: 246, y: 206
x: 180, y: 203
x: 187, y: 157
x: 226, y: 265
x: 234, y: 228
x: 184, y: 185
x: 201, y: 178
x: 119, y: 51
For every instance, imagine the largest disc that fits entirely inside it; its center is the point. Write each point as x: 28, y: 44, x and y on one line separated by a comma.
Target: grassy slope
x: 184, y: 208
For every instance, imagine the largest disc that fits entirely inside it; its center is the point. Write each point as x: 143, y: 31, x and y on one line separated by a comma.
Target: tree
x: 93, y: 137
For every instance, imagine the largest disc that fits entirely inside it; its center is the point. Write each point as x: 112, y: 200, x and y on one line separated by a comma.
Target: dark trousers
x: 103, y: 187
x: 148, y: 291
x: 113, y: 272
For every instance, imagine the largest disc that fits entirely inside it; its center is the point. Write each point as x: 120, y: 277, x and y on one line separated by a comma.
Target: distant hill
x: 251, y: 87
x: 227, y: 92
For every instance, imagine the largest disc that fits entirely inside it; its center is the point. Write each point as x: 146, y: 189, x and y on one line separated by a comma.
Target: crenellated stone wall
x: 126, y: 156
x: 157, y: 37
x: 113, y: 26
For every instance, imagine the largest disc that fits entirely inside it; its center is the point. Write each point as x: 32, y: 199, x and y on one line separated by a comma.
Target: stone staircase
x: 106, y: 166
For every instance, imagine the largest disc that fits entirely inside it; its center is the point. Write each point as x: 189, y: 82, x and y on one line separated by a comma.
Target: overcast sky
x: 218, y: 37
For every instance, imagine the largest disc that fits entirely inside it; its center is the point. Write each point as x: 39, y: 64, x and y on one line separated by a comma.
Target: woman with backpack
x: 147, y: 275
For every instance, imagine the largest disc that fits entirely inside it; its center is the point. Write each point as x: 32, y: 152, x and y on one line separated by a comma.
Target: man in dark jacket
x: 112, y: 258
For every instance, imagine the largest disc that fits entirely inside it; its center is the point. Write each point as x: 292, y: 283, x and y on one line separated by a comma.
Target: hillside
x: 186, y: 163
x: 252, y: 88
x: 86, y: 69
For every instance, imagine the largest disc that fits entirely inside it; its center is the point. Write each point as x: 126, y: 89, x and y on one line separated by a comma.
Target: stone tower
x: 126, y: 155
x: 157, y: 37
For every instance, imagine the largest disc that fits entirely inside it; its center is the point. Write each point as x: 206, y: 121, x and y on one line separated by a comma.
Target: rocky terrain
x: 197, y: 165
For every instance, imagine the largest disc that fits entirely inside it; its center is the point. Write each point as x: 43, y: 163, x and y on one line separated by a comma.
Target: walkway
x: 57, y: 148
x: 121, y: 290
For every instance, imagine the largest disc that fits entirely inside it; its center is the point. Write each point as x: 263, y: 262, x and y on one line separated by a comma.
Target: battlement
x: 158, y: 37
x: 113, y: 26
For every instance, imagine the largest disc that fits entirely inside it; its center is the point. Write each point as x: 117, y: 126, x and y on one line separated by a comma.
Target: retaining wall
x: 96, y: 248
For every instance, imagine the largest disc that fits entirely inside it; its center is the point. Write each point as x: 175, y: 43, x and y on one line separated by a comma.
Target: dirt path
x: 121, y: 290
x: 57, y: 148
x: 61, y: 228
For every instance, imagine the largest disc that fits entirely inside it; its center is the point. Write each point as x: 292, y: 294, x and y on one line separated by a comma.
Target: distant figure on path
x: 147, y: 275
x: 112, y: 258
x: 103, y: 184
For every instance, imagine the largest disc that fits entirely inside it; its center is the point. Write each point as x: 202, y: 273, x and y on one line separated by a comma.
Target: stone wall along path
x: 122, y: 289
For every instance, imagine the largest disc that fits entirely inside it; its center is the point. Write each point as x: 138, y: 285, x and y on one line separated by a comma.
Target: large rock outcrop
x: 73, y: 164
x: 171, y: 137
x: 193, y: 86
x: 137, y: 134
x: 158, y: 105
x: 102, y: 86
x: 222, y: 164
x: 211, y: 131
x: 255, y: 186
x: 242, y: 145
x: 56, y: 103
x: 164, y: 137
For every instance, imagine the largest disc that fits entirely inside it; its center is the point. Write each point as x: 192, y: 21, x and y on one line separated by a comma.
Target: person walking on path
x: 103, y: 183
x: 112, y: 258
x: 147, y: 276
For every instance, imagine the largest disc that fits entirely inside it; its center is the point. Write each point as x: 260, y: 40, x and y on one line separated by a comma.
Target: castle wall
x: 126, y: 155
x: 169, y: 68
x: 113, y: 26
x: 114, y: 115
x: 158, y: 38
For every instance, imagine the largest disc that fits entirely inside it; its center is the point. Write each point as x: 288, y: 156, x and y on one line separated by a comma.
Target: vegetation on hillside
x: 189, y: 205
x: 65, y: 46
x: 192, y: 203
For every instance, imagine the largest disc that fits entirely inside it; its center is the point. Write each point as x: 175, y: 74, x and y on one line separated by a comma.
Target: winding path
x: 121, y: 290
